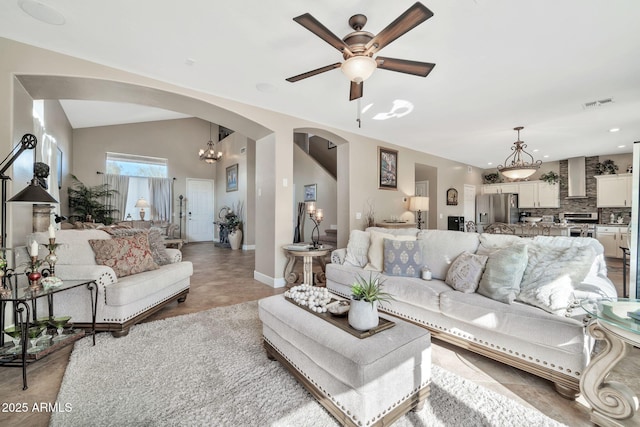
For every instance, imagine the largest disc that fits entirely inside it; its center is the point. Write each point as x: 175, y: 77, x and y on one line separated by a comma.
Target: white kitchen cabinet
x: 614, y: 191
x: 500, y: 188
x: 612, y: 237
x: 548, y: 195
x: 538, y: 194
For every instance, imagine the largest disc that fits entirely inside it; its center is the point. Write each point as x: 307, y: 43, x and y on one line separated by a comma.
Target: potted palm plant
x: 365, y: 296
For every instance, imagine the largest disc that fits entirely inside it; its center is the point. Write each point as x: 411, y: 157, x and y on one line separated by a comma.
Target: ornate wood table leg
x: 307, y: 270
x: 290, y: 276
x: 611, y: 402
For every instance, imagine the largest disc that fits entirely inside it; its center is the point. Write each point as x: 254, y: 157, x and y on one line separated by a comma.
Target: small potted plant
x: 365, y: 296
x: 607, y: 167
x: 550, y: 178
x: 491, y: 178
x: 233, y: 224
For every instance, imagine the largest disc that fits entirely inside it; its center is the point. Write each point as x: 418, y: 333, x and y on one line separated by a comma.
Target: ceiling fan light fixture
x: 359, y: 68
x: 517, y: 165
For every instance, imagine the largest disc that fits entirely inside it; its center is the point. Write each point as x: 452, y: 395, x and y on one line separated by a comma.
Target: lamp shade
x: 33, y: 193
x: 142, y: 203
x: 419, y: 203
x: 359, y: 68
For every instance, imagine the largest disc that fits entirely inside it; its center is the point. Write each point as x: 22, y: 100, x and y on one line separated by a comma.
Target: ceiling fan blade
x: 313, y: 25
x: 356, y: 90
x: 414, y: 16
x: 314, y: 72
x: 405, y: 66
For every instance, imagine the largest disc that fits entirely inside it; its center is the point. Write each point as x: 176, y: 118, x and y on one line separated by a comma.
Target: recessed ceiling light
x: 41, y: 12
x: 614, y: 130
x: 535, y: 150
x: 545, y: 156
x: 490, y: 163
x: 621, y: 146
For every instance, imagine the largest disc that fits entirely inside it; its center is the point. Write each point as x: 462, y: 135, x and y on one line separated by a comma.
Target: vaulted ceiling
x: 499, y: 64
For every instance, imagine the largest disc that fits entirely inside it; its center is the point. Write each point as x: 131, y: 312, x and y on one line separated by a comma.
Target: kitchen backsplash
x: 587, y: 204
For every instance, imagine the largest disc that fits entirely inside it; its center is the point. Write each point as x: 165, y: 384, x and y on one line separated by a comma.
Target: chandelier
x: 516, y: 165
x: 209, y: 154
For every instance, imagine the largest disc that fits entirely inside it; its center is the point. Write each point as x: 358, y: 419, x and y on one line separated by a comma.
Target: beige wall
x: 69, y: 77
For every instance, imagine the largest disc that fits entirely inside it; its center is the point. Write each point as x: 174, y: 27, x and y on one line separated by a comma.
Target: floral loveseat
x: 508, y: 298
x: 136, y: 275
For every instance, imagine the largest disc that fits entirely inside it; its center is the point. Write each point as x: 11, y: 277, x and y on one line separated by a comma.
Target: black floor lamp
x: 32, y: 193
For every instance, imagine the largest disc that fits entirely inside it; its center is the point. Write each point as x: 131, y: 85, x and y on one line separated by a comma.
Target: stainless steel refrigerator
x: 492, y: 208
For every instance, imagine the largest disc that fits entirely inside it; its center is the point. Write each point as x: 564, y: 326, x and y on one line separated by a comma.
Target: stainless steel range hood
x: 577, y: 183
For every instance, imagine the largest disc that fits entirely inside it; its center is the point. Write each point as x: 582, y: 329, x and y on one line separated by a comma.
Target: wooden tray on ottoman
x: 342, y: 322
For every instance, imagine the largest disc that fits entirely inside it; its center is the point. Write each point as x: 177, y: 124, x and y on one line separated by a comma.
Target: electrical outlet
x: 358, y: 215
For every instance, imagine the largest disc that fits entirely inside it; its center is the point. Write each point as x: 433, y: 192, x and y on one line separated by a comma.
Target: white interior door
x: 469, y: 202
x: 199, y: 210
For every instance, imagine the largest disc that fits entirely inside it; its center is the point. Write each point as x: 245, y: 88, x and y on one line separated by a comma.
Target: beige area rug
x: 210, y: 369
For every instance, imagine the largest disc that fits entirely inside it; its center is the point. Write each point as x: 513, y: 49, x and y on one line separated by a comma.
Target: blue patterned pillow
x: 402, y: 258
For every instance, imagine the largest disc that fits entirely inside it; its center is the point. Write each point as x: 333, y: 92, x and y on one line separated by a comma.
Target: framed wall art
x: 310, y: 192
x: 387, y: 169
x: 452, y: 197
x: 232, y: 178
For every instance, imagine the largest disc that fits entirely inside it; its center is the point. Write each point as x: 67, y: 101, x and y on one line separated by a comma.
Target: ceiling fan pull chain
x: 358, y: 114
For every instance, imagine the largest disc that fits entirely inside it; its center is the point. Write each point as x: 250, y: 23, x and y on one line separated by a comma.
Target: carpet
x: 210, y: 369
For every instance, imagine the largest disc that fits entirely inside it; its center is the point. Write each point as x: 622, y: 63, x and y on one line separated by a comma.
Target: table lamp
x: 142, y: 203
x: 419, y: 204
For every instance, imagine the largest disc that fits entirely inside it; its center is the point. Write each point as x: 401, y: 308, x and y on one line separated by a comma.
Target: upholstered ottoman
x: 362, y: 382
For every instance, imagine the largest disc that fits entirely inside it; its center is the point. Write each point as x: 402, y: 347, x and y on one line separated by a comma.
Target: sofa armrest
x: 337, y: 256
x: 175, y: 255
x: 102, y: 274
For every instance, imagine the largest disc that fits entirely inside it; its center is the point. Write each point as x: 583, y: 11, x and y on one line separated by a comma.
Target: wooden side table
x: 396, y: 224
x: 307, y: 255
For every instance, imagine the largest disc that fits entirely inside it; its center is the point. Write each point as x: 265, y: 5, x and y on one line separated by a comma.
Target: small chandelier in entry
x: 209, y: 154
x: 516, y: 165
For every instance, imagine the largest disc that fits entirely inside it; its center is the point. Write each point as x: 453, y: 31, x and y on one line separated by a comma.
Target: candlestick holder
x: 52, y: 258
x: 34, y: 275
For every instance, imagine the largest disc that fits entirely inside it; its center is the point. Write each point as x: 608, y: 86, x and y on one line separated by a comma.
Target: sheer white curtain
x: 120, y: 183
x: 160, y: 190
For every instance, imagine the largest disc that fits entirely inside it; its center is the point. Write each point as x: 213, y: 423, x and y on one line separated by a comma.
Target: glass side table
x: 25, y: 308
x: 612, y: 402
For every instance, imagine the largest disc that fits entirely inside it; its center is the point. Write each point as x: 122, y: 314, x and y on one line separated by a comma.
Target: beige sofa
x: 550, y: 342
x: 122, y: 301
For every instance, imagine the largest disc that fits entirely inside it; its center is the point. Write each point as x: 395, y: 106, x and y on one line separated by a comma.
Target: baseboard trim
x: 267, y: 280
x: 248, y: 247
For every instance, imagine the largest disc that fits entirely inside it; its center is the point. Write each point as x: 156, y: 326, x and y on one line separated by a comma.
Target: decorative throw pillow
x: 402, y: 258
x: 552, y: 275
x: 126, y: 255
x: 376, y: 249
x: 503, y: 273
x: 357, y: 248
x: 156, y: 241
x: 465, y: 272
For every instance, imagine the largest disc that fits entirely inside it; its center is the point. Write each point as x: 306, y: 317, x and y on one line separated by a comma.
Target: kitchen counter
x: 537, y: 229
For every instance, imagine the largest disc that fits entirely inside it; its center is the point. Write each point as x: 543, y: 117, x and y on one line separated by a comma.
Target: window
x: 139, y: 171
x: 132, y: 165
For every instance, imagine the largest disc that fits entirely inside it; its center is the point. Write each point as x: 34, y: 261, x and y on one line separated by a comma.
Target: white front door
x: 199, y: 210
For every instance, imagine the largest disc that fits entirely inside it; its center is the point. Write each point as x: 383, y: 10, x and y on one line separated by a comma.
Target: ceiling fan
x: 359, y: 47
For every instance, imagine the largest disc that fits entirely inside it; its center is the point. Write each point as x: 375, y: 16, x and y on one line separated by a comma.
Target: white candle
x: 34, y: 249
x: 52, y: 232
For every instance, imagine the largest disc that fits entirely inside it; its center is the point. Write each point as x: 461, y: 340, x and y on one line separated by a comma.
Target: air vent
x: 599, y: 103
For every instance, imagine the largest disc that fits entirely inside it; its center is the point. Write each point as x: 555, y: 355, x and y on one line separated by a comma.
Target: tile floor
x: 225, y: 277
